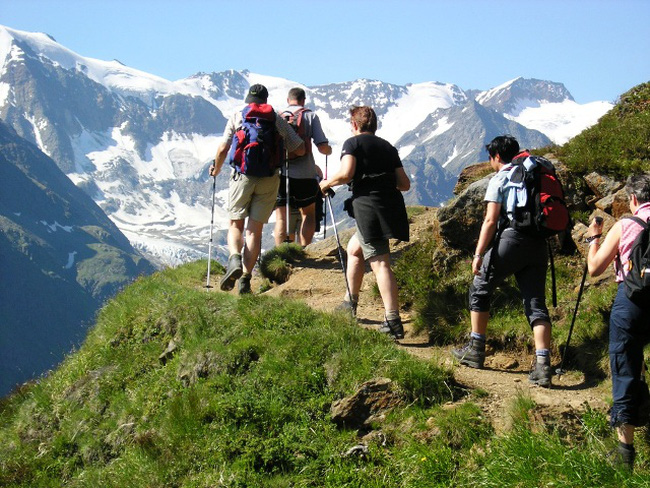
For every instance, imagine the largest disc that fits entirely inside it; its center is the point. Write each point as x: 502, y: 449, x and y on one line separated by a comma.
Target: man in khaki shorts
x: 251, y: 197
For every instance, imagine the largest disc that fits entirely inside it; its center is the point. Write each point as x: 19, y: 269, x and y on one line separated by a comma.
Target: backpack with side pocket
x: 296, y: 121
x: 637, y: 267
x: 256, y: 148
x: 536, y: 204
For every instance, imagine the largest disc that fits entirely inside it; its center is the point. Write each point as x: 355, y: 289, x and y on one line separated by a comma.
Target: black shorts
x: 302, y: 192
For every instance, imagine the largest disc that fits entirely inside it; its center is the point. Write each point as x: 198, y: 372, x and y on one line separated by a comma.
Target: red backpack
x: 295, y: 120
x: 542, y: 209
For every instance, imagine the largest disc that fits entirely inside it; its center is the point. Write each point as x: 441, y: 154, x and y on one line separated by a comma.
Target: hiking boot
x: 348, y: 307
x: 472, y: 354
x: 393, y: 327
x: 232, y: 274
x: 621, y: 457
x: 541, y: 374
x: 245, y: 284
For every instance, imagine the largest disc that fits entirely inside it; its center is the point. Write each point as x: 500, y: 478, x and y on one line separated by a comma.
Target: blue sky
x: 597, y: 48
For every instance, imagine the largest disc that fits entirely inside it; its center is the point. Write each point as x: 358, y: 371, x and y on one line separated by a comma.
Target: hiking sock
x: 354, y: 299
x: 392, y: 314
x: 627, y: 447
x: 478, y: 337
x: 543, y: 356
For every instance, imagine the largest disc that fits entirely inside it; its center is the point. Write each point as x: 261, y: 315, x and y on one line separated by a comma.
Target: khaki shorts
x: 373, y: 248
x: 252, y: 196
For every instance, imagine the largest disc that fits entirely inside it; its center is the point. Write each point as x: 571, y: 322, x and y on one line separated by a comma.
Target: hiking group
x: 273, y: 167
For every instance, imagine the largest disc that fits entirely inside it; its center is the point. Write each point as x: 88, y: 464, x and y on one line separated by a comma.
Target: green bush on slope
x: 619, y: 143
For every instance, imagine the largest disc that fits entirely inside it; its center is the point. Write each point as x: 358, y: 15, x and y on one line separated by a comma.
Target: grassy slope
x: 244, y: 401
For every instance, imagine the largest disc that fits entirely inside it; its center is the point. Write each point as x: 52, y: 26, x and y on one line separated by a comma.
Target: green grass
x: 276, y: 263
x: 618, y: 144
x: 244, y: 401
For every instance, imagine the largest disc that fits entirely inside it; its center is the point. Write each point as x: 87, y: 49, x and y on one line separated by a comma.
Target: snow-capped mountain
x: 140, y: 145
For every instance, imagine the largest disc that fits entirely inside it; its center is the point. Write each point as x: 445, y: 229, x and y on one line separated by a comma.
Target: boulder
x: 460, y: 221
x: 601, y: 185
x: 373, y: 397
x: 621, y: 204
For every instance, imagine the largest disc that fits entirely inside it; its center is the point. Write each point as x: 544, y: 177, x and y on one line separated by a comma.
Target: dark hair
x: 365, y: 118
x: 506, y: 147
x: 639, y: 185
x: 297, y: 94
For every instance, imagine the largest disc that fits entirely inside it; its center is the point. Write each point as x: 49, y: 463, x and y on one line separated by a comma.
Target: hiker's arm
x: 403, y: 181
x: 222, y: 152
x: 343, y: 175
x: 600, y: 256
x: 324, y: 148
x: 292, y: 140
x: 488, y: 229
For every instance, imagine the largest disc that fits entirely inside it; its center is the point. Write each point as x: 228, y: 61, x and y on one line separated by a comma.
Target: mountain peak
x: 520, y: 93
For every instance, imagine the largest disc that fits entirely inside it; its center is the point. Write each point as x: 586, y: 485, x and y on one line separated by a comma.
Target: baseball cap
x: 257, y: 94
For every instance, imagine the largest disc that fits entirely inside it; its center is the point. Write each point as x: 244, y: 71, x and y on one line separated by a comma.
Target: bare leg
x: 253, y: 245
x: 236, y: 236
x: 542, y: 334
x: 356, y: 266
x: 385, y: 281
x: 479, y: 321
x: 280, y: 230
x: 308, y: 226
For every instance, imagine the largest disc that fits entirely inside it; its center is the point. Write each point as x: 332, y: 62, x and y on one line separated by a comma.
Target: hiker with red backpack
x: 512, y: 241
x: 626, y: 245
x: 303, y: 192
x: 374, y: 171
x: 253, y: 142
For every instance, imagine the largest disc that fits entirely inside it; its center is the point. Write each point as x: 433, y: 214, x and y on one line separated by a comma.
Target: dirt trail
x: 321, y: 285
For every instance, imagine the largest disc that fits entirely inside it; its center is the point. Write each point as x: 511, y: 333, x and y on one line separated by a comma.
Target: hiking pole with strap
x: 214, y: 192
x: 286, y: 188
x: 325, y: 213
x: 331, y: 193
x: 560, y: 371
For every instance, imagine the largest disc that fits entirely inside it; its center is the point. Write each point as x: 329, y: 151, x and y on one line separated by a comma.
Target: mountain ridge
x: 140, y: 145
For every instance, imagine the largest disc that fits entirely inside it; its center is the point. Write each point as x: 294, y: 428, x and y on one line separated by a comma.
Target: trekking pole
x: 330, y: 193
x: 560, y: 371
x: 286, y: 187
x: 214, y: 192
x: 325, y: 213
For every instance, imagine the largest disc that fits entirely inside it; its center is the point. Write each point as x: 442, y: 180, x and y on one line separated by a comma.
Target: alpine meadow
x: 129, y: 367
x: 176, y: 386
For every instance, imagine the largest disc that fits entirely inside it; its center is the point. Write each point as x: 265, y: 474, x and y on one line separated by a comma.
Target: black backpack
x: 637, y: 279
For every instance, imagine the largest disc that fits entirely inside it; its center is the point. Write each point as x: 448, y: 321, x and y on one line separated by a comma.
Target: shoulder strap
x: 638, y: 220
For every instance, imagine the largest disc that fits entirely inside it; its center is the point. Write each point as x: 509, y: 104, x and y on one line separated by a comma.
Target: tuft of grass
x: 276, y: 264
